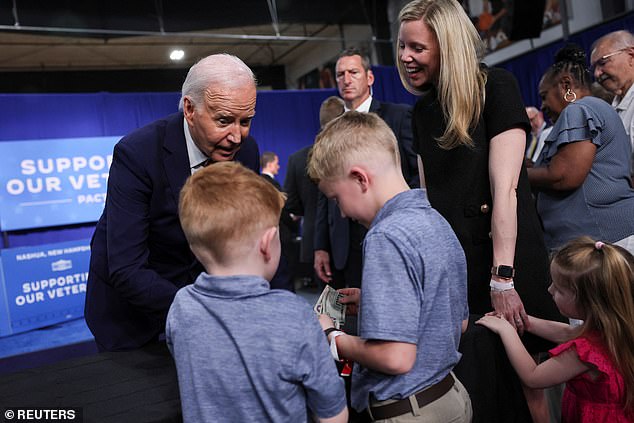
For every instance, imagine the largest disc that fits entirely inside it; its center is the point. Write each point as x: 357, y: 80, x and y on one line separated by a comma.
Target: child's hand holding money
x: 325, y: 321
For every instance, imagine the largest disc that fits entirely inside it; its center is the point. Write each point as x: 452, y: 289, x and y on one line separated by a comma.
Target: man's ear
x: 360, y: 176
x: 188, y: 109
x: 266, y: 241
x: 370, y: 77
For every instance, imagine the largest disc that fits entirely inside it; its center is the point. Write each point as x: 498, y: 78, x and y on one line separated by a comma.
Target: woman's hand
x: 509, y: 305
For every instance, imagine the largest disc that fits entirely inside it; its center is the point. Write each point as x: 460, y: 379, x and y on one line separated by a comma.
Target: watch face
x: 505, y: 271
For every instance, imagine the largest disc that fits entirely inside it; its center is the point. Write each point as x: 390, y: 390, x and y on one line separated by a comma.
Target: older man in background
x: 612, y: 61
x: 535, y: 140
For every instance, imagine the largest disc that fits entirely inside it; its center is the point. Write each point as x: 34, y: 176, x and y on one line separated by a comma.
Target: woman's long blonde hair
x: 462, y: 80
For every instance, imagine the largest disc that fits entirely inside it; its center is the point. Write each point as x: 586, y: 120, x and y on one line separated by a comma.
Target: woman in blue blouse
x: 582, y: 174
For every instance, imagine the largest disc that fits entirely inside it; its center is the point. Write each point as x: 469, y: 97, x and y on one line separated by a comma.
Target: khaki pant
x: 453, y: 407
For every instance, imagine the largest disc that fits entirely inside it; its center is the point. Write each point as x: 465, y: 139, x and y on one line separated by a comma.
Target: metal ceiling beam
x: 158, y: 6
x: 122, y: 33
x: 274, y: 20
x: 14, y: 12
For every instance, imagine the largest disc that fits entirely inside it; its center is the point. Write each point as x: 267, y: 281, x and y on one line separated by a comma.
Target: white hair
x: 222, y: 69
x: 618, y: 40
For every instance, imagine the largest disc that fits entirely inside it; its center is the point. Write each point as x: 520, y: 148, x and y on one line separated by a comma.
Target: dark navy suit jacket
x: 139, y: 254
x: 331, y: 230
x: 302, y: 199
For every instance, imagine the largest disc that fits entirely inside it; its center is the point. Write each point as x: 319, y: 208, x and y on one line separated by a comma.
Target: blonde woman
x: 470, y: 130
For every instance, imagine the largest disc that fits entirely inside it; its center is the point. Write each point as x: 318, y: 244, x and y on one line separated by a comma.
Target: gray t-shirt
x: 603, y: 206
x: 246, y: 353
x: 414, y: 290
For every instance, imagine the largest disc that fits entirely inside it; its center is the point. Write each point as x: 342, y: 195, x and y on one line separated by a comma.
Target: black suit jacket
x: 139, y: 254
x: 302, y: 199
x: 272, y: 181
x: 332, y: 232
x: 399, y: 118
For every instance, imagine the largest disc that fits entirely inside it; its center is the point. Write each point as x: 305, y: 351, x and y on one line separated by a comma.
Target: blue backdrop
x: 285, y: 121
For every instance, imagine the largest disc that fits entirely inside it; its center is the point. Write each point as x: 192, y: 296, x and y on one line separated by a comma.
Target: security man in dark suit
x: 341, y: 238
x: 289, y: 226
x: 270, y: 164
x: 301, y: 191
x: 139, y: 254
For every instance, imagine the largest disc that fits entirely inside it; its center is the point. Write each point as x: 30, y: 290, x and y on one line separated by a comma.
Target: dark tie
x: 204, y: 163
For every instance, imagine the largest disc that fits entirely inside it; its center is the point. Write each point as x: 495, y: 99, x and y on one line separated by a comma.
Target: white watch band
x: 333, y: 344
x: 501, y: 286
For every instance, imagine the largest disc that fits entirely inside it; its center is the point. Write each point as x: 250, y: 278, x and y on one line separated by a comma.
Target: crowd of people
x: 463, y: 217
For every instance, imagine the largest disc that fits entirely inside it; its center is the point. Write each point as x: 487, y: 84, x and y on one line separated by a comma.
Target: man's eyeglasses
x: 603, y: 60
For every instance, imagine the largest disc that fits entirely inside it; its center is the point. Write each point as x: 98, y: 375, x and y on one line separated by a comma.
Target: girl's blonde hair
x: 461, y: 82
x: 601, y: 276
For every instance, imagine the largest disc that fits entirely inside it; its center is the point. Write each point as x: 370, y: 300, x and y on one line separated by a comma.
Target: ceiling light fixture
x: 177, y: 55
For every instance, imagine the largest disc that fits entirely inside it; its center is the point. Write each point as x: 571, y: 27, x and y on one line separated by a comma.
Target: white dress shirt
x: 624, y: 106
x: 363, y: 107
x: 196, y: 157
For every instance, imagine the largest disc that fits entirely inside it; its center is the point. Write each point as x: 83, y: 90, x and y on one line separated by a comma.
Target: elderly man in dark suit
x: 340, y: 238
x: 139, y: 254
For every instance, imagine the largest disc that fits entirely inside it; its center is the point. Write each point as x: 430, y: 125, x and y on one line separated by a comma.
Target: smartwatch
x: 503, y: 271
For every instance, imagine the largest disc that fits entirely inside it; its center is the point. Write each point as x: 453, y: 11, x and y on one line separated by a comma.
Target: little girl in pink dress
x: 593, y: 282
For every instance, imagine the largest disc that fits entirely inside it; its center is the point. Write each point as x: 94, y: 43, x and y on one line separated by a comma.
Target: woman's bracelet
x: 501, y: 286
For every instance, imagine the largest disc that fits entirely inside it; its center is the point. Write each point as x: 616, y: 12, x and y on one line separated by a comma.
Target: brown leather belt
x: 423, y: 398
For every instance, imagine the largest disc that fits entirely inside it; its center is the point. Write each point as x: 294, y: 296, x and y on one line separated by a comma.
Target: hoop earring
x: 569, y: 94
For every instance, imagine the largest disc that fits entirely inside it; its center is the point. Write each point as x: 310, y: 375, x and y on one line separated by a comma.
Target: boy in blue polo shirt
x: 244, y: 352
x: 414, y: 285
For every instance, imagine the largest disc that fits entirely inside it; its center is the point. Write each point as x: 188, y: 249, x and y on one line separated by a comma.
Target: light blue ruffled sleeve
x: 577, y: 122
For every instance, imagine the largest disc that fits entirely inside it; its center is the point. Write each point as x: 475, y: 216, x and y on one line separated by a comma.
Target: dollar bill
x: 328, y: 303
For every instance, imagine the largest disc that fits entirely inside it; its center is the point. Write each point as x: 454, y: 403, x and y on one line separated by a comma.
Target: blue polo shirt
x: 246, y: 353
x: 413, y: 290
